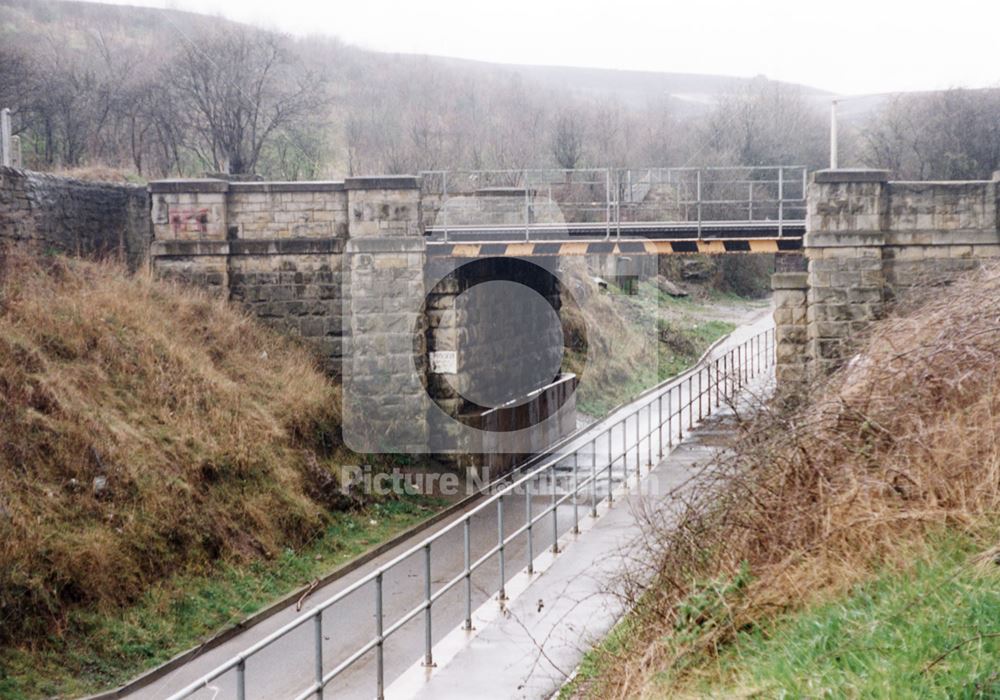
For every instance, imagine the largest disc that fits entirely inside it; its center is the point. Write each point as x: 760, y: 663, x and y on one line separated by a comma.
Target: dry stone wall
x: 90, y: 219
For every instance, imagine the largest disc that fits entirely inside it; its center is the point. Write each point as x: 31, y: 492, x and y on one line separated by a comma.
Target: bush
x: 901, y: 442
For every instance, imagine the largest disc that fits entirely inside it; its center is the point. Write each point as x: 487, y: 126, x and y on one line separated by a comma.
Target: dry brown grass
x: 207, y: 429
x: 95, y: 173
x: 902, y: 440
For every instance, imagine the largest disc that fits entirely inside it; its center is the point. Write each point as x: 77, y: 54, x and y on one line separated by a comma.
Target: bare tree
x: 242, y: 90
x: 948, y: 135
x: 765, y: 123
x: 567, y: 140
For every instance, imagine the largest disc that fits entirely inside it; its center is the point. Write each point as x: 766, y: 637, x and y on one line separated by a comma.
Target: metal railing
x: 584, y: 474
x: 608, y: 198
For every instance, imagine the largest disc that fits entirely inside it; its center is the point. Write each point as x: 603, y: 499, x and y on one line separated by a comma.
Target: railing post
x: 638, y: 443
x: 593, y: 479
x: 659, y: 426
x: 739, y: 368
x: 531, y: 544
x: 555, y: 515
x: 624, y: 426
x: 527, y: 209
x: 742, y: 360
x: 698, y: 197
x: 428, y: 637
x: 379, y: 641
x: 750, y: 200
x: 718, y: 402
x: 680, y: 413
x: 241, y: 680
x: 318, y: 638
x: 607, y: 203
x: 611, y: 464
x: 467, y: 546
x: 725, y: 376
x: 576, y: 492
x: 670, y: 415
x: 701, y: 395
x: 649, y: 435
x: 690, y: 402
x: 444, y: 203
x: 500, y: 543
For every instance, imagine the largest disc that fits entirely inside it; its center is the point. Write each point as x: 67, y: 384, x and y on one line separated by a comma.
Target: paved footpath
x: 540, y: 638
x: 285, y: 669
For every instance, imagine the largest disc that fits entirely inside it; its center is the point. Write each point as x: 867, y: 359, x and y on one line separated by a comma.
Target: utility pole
x: 833, y: 135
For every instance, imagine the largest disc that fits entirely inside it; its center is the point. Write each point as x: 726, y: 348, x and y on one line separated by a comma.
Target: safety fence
x: 705, y: 197
x: 585, y: 472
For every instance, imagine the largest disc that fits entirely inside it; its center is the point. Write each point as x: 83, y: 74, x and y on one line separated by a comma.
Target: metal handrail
x: 730, y: 370
x: 579, y: 193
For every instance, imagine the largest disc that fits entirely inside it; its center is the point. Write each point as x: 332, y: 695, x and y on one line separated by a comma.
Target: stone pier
x: 869, y: 240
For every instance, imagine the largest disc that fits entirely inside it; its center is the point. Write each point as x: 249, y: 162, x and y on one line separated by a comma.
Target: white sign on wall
x: 444, y: 362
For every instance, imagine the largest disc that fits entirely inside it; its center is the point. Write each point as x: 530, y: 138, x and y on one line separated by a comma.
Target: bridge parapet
x: 867, y: 241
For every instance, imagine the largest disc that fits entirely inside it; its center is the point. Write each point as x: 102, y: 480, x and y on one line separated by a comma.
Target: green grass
x: 932, y: 631
x: 683, y: 318
x: 592, y: 665
x: 104, y: 649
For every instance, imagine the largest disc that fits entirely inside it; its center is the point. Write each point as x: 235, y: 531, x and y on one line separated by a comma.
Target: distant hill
x: 631, y: 87
x: 30, y: 21
x: 381, y: 111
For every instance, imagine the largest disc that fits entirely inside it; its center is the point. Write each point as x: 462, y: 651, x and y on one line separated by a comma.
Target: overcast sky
x: 845, y: 46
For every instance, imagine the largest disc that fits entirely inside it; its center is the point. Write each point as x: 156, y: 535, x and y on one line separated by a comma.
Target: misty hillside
x: 106, y: 84
x: 152, y: 93
x: 632, y: 87
x: 33, y: 20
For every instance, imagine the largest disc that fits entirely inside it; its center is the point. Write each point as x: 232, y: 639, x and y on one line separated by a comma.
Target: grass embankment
x: 844, y: 548
x: 637, y: 341
x: 167, y: 466
x: 929, y: 629
x: 105, y: 648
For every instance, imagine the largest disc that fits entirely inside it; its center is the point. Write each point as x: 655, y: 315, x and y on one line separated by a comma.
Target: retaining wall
x: 46, y: 213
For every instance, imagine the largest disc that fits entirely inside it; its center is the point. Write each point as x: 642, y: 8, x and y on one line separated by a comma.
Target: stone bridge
x: 345, y: 265
x: 370, y: 271
x: 339, y: 262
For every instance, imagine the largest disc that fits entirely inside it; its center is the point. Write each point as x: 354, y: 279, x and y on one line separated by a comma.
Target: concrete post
x: 384, y: 366
x: 15, y: 144
x: 6, y: 145
x: 846, y: 221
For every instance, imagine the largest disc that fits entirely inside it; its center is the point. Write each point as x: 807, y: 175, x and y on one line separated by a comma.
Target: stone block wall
x: 385, y: 403
x: 867, y: 242
x: 276, y: 248
x: 189, y: 232
x: 790, y: 330
x: 90, y: 219
x: 936, y: 230
x: 343, y: 265
x: 279, y: 210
